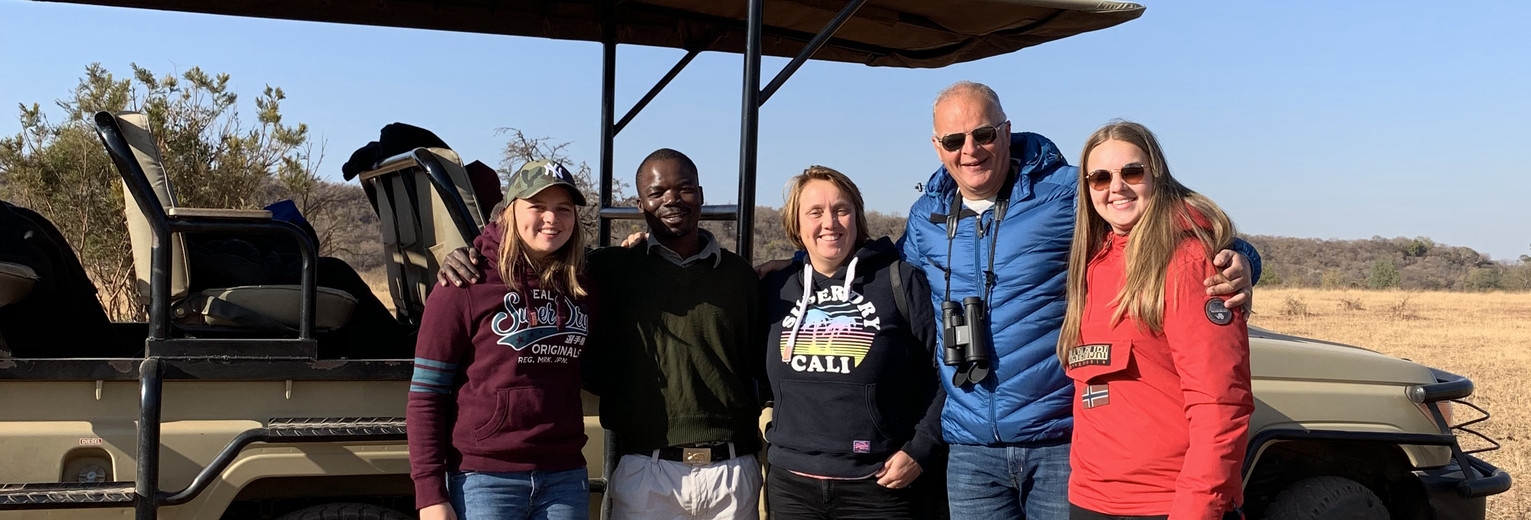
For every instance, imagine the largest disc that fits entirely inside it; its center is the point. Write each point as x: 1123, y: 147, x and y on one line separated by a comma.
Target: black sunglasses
x: 981, y: 136
x: 1131, y: 174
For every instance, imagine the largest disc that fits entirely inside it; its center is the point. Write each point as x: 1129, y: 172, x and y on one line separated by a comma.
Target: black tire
x: 1326, y: 498
x: 345, y: 511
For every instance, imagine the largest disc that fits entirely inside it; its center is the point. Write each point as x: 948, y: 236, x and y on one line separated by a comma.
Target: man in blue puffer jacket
x: 1008, y: 420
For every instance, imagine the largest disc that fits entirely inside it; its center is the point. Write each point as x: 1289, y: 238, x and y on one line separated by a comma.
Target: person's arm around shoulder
x: 1209, y: 343
x: 1237, y: 280
x: 445, y: 337
x: 460, y: 268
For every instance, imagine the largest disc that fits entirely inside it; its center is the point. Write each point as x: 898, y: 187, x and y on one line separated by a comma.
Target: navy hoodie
x: 496, y: 381
x: 854, y: 382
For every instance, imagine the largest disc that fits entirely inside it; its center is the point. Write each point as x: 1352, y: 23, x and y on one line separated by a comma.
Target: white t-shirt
x: 978, y: 205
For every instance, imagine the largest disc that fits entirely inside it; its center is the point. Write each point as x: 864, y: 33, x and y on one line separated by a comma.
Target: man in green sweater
x: 677, y: 370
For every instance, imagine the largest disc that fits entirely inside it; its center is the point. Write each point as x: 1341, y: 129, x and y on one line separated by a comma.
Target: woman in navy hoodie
x: 851, y: 362
x: 494, y: 421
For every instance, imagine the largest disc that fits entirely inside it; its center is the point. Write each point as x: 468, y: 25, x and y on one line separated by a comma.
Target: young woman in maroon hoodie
x: 494, y: 421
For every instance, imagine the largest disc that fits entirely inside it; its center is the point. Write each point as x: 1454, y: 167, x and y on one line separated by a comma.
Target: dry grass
x: 1484, y: 336
x: 377, y: 279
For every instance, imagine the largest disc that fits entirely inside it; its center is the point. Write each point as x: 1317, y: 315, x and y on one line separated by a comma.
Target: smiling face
x: 979, y: 170
x: 826, y: 225
x: 545, y: 221
x: 671, y: 199
x: 1121, y: 204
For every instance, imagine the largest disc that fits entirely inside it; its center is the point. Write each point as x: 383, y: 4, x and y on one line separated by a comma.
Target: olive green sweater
x: 679, y: 363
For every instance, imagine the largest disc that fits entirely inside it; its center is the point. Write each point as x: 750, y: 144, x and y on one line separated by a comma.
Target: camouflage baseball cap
x: 539, y: 175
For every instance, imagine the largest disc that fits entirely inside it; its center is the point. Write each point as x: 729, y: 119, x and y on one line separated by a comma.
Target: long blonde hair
x: 1173, y: 213
x: 562, y: 267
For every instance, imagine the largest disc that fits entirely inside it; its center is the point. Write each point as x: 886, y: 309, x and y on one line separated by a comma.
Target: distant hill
x: 1404, y: 263
x: 1380, y: 263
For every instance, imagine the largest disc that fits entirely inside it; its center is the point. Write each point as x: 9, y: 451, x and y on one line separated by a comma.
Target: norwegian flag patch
x: 861, y: 446
x: 1096, y: 395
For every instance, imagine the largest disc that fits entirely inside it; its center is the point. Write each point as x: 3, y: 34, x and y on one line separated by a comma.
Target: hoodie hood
x: 488, y: 244
x: 871, y: 257
x: 1039, y: 153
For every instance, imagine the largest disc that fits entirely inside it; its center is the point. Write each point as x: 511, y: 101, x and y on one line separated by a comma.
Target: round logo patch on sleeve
x: 1218, y: 313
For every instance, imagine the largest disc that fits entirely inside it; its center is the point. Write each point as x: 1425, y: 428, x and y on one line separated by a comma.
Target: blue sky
x: 1307, y: 119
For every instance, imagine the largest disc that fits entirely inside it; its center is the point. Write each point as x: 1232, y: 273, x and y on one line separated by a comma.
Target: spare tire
x: 1326, y: 498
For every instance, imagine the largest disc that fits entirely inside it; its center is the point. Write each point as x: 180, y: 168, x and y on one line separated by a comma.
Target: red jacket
x: 1161, y: 421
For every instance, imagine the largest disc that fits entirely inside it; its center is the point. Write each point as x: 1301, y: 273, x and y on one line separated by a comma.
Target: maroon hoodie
x: 496, y: 381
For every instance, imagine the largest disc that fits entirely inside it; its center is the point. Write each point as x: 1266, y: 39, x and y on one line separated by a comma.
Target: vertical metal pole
x: 159, y: 282
x: 609, y: 455
x: 146, y: 486
x: 608, y: 114
x: 749, y: 130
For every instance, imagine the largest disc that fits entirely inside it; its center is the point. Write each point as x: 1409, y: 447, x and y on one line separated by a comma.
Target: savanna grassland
x: 1483, y: 336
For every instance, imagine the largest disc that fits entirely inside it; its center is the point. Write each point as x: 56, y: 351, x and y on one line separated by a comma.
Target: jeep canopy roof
x: 881, y: 33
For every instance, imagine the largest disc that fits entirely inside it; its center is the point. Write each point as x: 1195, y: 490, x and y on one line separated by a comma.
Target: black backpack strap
x: 896, y: 278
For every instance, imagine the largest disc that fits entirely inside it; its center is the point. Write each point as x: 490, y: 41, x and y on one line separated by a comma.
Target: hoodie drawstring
x: 802, y: 303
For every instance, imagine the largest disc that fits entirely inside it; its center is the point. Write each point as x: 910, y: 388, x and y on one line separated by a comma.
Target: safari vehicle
x: 219, y: 418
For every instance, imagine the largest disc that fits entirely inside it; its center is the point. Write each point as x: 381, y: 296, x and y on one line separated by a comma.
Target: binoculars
x: 965, y: 339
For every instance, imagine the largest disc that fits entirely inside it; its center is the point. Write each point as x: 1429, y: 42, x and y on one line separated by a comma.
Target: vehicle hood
x: 1279, y: 356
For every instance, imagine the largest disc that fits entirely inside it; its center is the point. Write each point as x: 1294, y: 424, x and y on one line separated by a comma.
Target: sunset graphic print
x: 833, y: 337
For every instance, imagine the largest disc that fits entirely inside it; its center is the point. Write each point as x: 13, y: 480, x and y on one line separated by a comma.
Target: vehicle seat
x: 427, y: 207
x: 16, y: 282
x: 257, y: 306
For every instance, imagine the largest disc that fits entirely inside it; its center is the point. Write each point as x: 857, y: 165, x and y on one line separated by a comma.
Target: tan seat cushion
x: 281, y: 303
x: 135, y: 129
x: 16, y: 282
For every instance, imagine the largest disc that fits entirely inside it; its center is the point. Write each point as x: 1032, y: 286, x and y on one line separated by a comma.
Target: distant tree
x: 1517, y: 277
x: 1481, y: 279
x: 1416, y: 248
x: 1384, y: 275
x: 1335, y: 279
x: 1271, y: 278
x: 213, y: 158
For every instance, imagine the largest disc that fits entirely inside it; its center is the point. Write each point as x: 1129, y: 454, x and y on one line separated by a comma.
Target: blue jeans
x: 528, y: 495
x: 1025, y: 481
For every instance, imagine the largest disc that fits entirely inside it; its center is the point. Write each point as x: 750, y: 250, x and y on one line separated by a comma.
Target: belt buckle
x: 696, y: 456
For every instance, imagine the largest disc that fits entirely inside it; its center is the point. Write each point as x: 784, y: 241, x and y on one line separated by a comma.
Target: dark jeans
x: 790, y: 496
x: 1079, y: 513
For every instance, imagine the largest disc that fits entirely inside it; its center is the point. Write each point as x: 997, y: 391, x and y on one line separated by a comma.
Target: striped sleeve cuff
x: 431, y: 376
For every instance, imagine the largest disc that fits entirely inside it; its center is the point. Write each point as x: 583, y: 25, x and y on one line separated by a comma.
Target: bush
x: 1294, y: 306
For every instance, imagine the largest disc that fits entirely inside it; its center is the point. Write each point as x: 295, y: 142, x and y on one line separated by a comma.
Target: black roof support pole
x: 608, y: 114
x: 146, y: 485
x: 749, y: 131
x: 813, y: 46
x: 663, y: 82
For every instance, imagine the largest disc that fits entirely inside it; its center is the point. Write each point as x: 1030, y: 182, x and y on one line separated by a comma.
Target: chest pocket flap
x: 1089, y: 361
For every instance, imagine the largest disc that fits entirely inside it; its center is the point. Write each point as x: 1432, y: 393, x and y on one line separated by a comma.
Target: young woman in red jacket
x: 1160, y: 369
x: 494, y: 422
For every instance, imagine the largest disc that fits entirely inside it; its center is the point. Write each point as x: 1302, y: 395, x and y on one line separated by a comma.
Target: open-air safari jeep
x: 221, y: 419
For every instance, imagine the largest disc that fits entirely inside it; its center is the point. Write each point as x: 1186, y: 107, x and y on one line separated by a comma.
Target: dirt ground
x: 1484, y: 336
